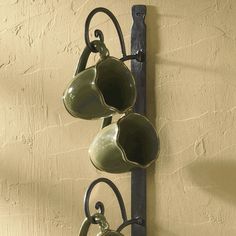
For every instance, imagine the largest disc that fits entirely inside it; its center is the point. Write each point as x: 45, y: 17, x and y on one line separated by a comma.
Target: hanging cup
x: 100, y: 90
x: 103, y: 225
x: 131, y: 142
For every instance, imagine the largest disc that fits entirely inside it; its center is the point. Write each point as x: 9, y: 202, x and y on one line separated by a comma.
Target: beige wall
x: 44, y: 165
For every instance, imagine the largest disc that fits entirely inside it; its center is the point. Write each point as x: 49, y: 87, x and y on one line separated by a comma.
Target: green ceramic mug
x: 130, y: 143
x: 100, y: 90
x: 103, y: 225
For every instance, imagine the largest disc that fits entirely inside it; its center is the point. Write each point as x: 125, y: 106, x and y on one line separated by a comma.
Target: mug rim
x: 121, y: 148
x: 100, y: 92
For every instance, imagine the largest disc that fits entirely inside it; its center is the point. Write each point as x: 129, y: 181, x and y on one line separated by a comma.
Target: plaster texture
x: 44, y: 163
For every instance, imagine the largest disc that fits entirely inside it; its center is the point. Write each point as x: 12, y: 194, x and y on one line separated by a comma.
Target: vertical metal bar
x: 138, y: 176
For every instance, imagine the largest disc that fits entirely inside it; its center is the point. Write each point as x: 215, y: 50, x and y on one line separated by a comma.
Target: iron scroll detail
x: 139, y: 55
x: 99, y: 206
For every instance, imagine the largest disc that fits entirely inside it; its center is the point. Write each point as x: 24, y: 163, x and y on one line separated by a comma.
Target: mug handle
x: 84, y: 228
x: 103, y: 51
x: 99, y: 219
x: 100, y: 46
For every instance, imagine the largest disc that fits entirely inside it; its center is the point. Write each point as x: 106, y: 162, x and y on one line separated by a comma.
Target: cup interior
x: 138, y: 139
x: 116, y: 84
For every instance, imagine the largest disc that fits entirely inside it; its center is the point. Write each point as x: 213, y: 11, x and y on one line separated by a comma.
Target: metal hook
x: 139, y: 55
x: 98, y: 33
x: 99, y: 205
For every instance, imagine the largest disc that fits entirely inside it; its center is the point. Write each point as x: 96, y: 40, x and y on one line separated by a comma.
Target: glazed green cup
x: 130, y: 143
x: 100, y: 90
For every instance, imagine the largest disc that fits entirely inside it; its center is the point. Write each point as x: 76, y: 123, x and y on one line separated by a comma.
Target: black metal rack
x: 138, y: 68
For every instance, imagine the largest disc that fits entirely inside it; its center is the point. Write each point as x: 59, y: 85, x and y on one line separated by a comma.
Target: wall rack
x: 138, y: 68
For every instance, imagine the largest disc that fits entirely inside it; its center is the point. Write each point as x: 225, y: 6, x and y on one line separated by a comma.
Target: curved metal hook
x: 98, y: 33
x: 99, y: 205
x: 138, y: 221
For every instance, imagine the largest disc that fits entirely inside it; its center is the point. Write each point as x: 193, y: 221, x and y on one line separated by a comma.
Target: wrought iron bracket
x: 139, y: 55
x: 138, y: 69
x: 99, y: 206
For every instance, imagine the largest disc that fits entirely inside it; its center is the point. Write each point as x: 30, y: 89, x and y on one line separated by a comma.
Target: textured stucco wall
x: 44, y: 165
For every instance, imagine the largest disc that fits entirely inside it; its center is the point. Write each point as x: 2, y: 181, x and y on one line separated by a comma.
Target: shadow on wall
x: 153, y: 46
x: 219, y: 70
x: 217, y: 178
x: 164, y: 232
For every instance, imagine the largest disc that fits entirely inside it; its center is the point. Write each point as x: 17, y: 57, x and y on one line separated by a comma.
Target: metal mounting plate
x: 138, y: 176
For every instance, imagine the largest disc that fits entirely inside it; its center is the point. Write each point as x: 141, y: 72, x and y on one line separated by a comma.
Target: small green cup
x: 130, y: 143
x: 100, y: 90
